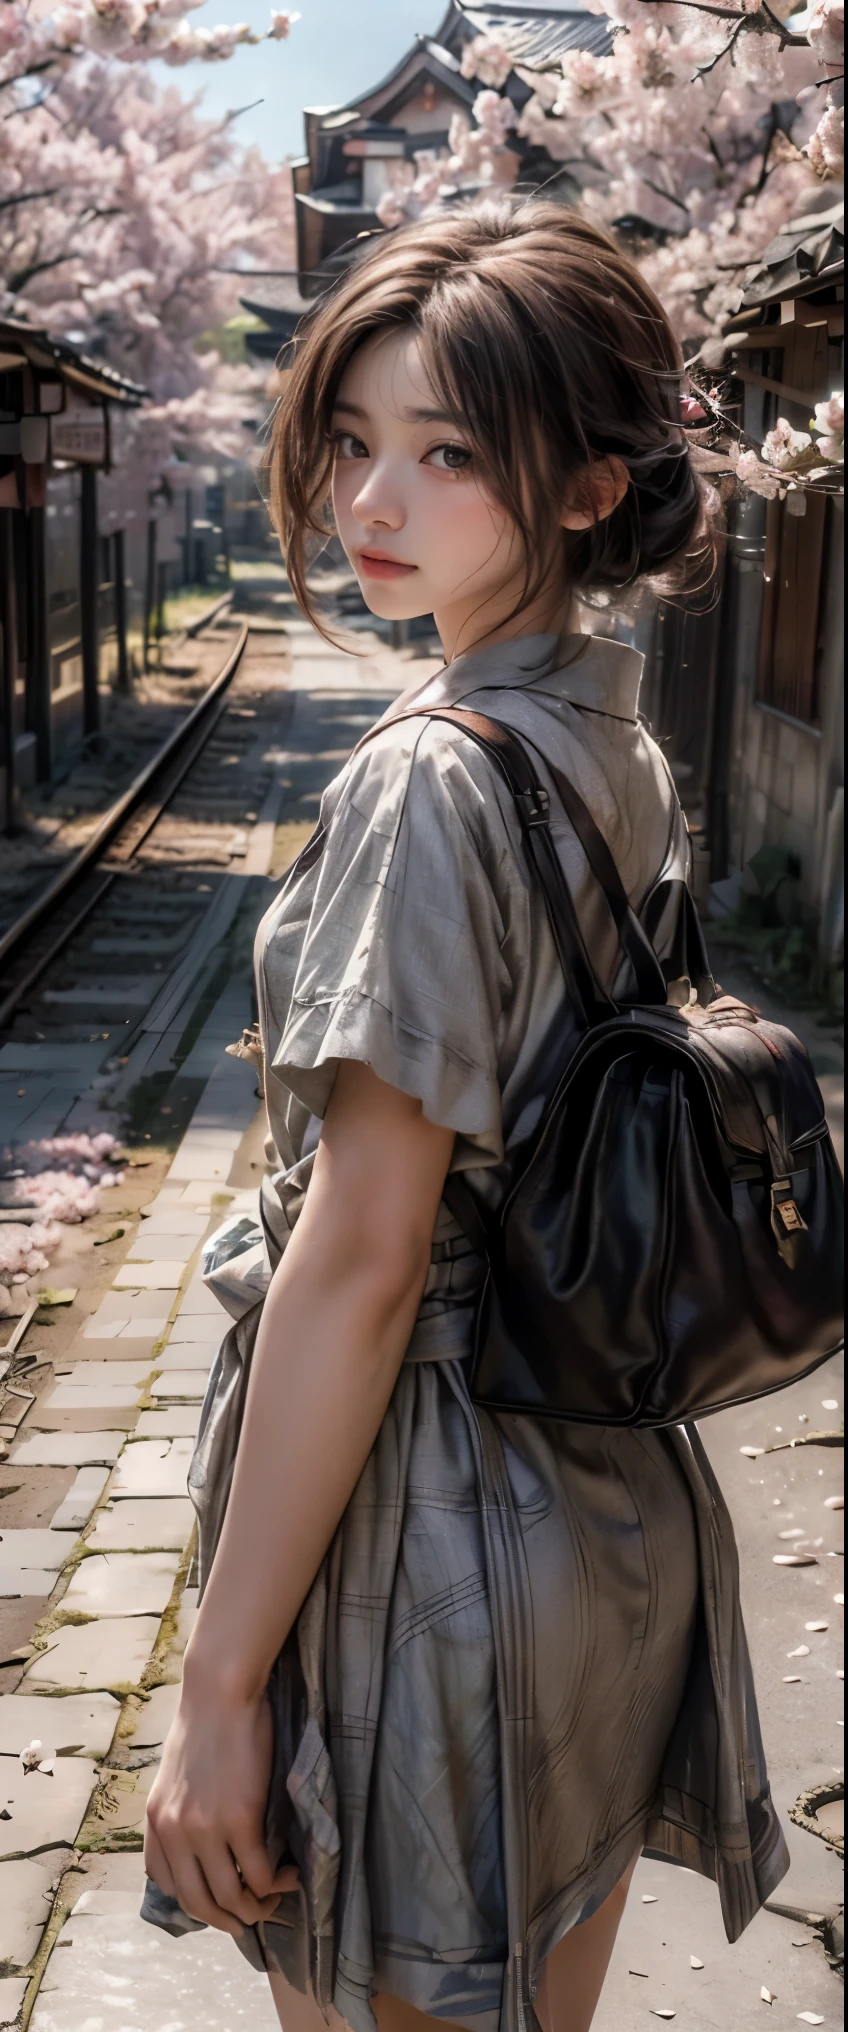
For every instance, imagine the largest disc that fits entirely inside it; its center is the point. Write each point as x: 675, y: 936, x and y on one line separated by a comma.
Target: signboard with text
x: 79, y: 437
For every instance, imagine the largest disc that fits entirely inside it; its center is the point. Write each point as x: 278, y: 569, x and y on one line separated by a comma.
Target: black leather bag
x: 672, y: 1239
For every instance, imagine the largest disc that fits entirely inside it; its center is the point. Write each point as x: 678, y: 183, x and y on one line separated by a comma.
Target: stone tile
x: 92, y: 1396
x: 174, y: 1221
x: 110, y: 1655
x: 45, y: 1549
x: 179, y: 1383
x: 116, y: 1307
x: 82, y: 1722
x: 13, y: 1989
x: 45, y: 1812
x: 191, y: 1339
x: 205, y: 1166
x: 186, y: 1619
x: 201, y: 1193
x: 149, y: 1276
x: 105, y: 1329
x: 179, y: 1421
x: 153, y: 1467
x: 68, y: 1450
x: 156, y: 1717
x: 122, y: 1583
x: 73, y: 1514
x: 18, y: 1583
x: 162, y: 1246
x: 148, y: 1330
x: 166, y: 1985
x: 110, y: 1373
x: 200, y: 1303
x: 26, y: 1895
x: 140, y: 1525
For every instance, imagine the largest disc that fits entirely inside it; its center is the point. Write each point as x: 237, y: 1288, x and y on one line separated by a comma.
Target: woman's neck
x: 479, y: 629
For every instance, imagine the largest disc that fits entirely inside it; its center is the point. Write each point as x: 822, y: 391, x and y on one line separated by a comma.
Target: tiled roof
x: 537, y: 36
x: 45, y: 350
x: 807, y: 255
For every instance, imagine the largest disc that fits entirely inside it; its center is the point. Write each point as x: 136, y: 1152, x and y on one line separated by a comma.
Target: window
x: 792, y: 602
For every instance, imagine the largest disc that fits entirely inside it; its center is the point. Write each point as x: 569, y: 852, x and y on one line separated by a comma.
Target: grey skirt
x: 484, y: 1683
x: 522, y: 1660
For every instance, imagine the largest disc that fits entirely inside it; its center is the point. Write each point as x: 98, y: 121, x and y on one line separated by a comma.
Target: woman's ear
x: 594, y: 492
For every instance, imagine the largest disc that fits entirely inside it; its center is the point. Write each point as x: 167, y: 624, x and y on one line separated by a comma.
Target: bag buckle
x: 535, y: 806
x: 784, y: 1206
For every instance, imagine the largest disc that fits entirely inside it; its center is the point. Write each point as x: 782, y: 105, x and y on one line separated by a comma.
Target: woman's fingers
x: 230, y: 1892
x: 253, y: 1860
x: 156, y: 1863
x: 195, y: 1897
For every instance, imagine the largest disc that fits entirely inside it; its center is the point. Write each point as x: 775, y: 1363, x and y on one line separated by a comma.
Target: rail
x: 44, y: 906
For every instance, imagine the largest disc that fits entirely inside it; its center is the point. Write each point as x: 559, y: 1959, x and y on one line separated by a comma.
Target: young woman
x: 453, y: 1670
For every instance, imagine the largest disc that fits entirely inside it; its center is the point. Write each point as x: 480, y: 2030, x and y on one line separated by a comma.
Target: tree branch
x: 28, y: 197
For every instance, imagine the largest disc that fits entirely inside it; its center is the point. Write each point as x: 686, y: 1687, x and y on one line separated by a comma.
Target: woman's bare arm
x: 337, y: 1319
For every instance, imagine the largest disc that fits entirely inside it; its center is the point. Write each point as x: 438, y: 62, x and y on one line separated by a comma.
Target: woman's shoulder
x: 419, y: 764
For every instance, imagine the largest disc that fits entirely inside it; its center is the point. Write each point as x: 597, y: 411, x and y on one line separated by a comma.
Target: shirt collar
x: 588, y: 670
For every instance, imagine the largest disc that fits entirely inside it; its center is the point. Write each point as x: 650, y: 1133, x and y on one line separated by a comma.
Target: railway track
x: 84, y: 962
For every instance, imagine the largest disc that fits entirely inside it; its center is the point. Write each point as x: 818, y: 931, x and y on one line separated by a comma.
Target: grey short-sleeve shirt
x: 418, y: 941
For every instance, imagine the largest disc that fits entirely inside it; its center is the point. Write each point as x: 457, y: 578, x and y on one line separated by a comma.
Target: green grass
x: 185, y: 606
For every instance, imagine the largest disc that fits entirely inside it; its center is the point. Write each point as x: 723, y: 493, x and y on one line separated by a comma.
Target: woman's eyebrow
x: 429, y: 415
x: 349, y: 409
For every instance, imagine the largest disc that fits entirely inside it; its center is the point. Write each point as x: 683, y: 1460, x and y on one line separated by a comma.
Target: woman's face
x: 421, y: 530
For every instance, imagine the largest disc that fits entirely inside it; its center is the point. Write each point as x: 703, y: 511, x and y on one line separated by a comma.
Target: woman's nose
x: 378, y: 502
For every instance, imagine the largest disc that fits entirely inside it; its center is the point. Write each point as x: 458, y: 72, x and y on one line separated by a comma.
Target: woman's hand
x: 204, y: 1843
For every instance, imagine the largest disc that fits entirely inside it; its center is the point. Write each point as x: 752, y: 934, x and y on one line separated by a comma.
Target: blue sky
x: 337, y: 48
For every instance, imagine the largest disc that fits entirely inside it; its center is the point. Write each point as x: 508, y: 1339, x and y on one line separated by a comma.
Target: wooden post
x: 161, y: 579
x: 187, y: 556
x: 39, y: 709
x: 88, y: 602
x: 119, y: 573
x: 149, y: 587
x: 8, y: 667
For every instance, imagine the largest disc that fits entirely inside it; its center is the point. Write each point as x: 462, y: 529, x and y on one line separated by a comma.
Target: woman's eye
x: 349, y: 447
x: 449, y: 458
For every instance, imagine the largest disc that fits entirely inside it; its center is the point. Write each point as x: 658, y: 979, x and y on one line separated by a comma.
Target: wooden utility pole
x: 149, y: 588
x: 120, y: 581
x: 8, y: 668
x: 88, y: 581
x: 39, y: 714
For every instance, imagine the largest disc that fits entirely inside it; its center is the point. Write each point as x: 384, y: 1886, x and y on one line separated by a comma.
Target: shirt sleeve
x: 401, y: 965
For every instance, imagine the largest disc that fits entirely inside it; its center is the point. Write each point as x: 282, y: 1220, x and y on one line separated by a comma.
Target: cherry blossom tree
x: 40, y: 46
x: 125, y: 216
x: 698, y: 135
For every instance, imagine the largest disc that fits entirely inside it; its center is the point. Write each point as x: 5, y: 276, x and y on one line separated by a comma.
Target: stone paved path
x: 104, y: 1564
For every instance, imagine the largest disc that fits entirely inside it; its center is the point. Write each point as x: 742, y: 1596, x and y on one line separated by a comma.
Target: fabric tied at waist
x: 444, y: 1336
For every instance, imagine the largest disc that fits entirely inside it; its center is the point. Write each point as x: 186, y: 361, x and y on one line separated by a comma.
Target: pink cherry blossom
x: 488, y: 59
x: 783, y: 446
x: 830, y: 419
x: 826, y: 32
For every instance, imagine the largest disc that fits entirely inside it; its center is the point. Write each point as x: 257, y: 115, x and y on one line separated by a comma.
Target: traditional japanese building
x: 776, y: 750
x: 352, y: 150
x: 63, y: 569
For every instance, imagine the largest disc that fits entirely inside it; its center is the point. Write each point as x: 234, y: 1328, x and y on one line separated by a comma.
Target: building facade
x: 351, y: 151
x: 62, y: 580
x: 776, y: 752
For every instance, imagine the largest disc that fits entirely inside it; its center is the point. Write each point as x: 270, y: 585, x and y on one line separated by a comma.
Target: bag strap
x: 533, y: 807
x: 648, y: 974
x: 532, y: 804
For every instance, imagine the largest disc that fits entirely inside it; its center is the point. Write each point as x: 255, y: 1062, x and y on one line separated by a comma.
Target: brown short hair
x: 537, y: 331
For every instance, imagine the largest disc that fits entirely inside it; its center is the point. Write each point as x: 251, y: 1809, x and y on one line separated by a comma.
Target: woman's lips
x: 376, y: 567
